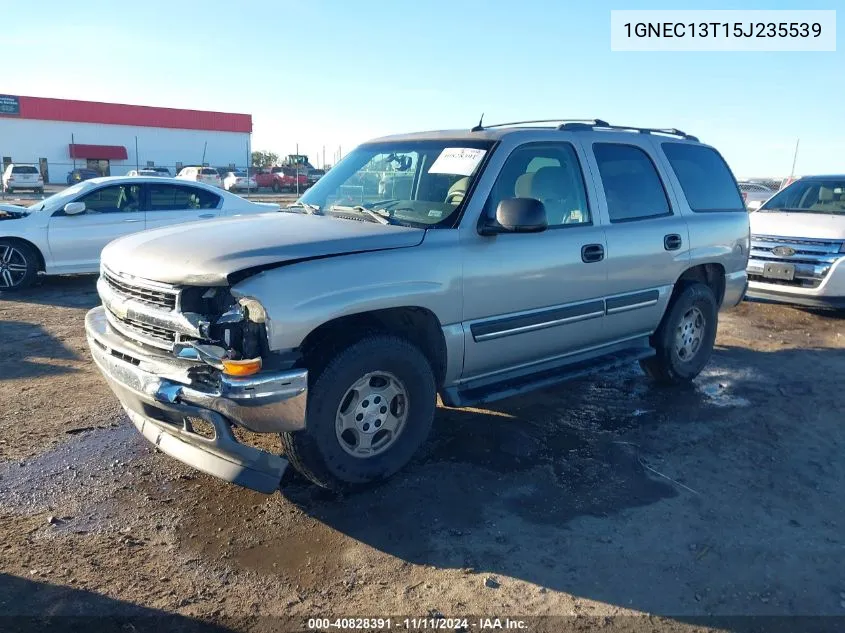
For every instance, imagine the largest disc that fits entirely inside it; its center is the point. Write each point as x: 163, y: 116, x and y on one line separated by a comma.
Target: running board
x: 468, y: 395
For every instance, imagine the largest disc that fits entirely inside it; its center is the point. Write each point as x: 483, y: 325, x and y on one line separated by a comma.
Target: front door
x: 173, y: 204
x: 110, y: 212
x: 647, y: 237
x: 532, y: 297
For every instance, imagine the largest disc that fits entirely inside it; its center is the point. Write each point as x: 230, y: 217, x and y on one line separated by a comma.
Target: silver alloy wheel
x: 13, y: 266
x: 690, y: 333
x: 372, y: 414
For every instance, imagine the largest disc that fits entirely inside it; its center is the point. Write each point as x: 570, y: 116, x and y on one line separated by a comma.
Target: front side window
x: 705, y: 178
x: 816, y: 195
x: 632, y: 186
x: 415, y: 183
x: 114, y: 199
x: 177, y: 198
x: 550, y: 173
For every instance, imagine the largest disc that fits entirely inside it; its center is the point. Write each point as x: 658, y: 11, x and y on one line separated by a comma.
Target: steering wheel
x: 455, y: 197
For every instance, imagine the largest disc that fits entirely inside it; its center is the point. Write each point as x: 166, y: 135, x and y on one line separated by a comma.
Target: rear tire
x: 18, y: 265
x: 684, y: 341
x: 370, y: 407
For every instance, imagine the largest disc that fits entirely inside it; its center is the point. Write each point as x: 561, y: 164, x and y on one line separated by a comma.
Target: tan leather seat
x: 523, y: 185
x: 550, y: 186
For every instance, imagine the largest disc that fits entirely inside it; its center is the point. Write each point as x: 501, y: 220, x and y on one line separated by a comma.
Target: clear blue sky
x: 336, y: 72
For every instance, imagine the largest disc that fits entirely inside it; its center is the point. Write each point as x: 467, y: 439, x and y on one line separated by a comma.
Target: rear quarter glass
x: 706, y: 179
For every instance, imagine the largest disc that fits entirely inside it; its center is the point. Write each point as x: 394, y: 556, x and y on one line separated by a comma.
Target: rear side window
x: 209, y: 172
x: 631, y: 183
x: 177, y: 198
x: 24, y: 169
x: 705, y: 178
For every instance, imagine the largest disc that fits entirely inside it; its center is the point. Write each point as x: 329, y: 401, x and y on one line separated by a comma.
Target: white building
x: 61, y: 135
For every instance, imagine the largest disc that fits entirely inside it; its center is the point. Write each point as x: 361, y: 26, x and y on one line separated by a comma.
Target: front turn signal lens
x: 241, y: 367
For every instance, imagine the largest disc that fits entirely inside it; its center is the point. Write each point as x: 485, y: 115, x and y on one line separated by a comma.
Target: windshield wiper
x: 379, y: 215
x: 312, y: 209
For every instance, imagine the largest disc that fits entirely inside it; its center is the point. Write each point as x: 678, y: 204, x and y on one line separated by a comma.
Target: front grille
x: 147, y: 333
x: 812, y: 259
x: 146, y: 330
x: 144, y: 294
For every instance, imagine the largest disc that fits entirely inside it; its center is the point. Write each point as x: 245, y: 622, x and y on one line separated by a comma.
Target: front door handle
x: 133, y: 220
x: 672, y: 242
x: 207, y: 215
x: 591, y: 253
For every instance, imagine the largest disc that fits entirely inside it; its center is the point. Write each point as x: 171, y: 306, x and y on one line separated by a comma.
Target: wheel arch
x: 420, y: 326
x: 42, y: 266
x: 711, y: 274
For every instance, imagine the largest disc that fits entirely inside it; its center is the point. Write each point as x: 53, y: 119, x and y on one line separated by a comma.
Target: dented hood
x: 205, y: 253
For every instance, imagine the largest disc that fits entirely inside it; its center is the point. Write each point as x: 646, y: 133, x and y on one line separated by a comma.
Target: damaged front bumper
x: 161, y: 399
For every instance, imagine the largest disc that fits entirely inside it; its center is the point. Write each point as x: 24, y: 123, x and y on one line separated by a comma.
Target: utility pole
x: 204, y: 147
x: 137, y: 160
x: 297, y: 170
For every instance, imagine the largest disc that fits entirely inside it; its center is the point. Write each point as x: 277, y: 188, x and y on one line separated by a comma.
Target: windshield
x: 816, y: 195
x: 415, y: 183
x: 63, y: 197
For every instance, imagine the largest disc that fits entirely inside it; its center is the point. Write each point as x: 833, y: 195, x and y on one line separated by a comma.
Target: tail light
x: 744, y: 196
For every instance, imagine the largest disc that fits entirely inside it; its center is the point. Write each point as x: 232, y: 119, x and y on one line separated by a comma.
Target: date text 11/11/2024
x: 415, y: 624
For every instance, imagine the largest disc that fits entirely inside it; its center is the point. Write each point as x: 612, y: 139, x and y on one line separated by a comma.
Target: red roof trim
x: 38, y: 108
x: 105, y: 152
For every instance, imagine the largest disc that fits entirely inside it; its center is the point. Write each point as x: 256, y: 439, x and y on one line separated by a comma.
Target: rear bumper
x: 159, y: 398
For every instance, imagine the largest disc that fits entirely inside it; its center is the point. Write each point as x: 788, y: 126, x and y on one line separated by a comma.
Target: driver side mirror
x: 517, y: 215
x: 74, y: 208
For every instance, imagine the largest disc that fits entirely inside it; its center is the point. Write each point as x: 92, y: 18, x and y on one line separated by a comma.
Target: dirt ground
x: 603, y: 497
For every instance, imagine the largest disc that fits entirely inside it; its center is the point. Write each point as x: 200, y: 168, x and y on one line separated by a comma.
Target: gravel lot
x: 602, y: 497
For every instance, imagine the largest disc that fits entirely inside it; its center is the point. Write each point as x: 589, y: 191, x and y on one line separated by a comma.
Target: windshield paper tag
x: 457, y: 160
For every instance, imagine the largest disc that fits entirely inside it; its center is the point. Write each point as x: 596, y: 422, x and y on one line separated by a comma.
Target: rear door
x: 173, y: 204
x: 647, y: 237
x: 110, y: 212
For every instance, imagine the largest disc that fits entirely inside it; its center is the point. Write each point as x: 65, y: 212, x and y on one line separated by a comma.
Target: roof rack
x: 480, y: 127
x: 574, y: 125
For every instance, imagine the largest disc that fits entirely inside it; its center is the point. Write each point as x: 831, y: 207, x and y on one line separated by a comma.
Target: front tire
x: 684, y: 341
x: 370, y: 407
x: 18, y: 265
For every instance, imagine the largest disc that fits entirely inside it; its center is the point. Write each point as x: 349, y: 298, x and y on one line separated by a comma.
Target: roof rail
x: 576, y: 126
x: 594, y: 122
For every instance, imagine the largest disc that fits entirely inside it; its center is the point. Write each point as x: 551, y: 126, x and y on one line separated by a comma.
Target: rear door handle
x: 672, y: 242
x: 207, y: 215
x: 133, y: 220
x: 591, y: 253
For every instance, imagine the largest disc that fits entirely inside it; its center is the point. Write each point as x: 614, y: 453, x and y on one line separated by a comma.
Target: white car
x: 754, y: 194
x: 22, y: 177
x: 65, y: 233
x: 147, y: 172
x: 238, y: 181
x: 207, y: 175
x: 798, y: 244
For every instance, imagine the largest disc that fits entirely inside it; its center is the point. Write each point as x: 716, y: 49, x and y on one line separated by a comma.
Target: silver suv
x: 473, y: 264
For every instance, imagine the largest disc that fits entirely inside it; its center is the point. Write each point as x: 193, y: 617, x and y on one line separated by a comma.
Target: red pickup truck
x: 281, y: 179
